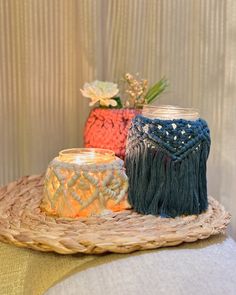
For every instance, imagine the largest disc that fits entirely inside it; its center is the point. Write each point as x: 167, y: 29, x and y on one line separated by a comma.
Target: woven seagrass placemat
x: 23, y: 224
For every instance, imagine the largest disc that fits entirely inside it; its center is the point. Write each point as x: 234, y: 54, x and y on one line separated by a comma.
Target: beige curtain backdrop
x: 49, y: 48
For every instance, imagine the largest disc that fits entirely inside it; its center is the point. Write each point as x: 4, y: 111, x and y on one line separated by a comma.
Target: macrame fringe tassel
x: 159, y: 185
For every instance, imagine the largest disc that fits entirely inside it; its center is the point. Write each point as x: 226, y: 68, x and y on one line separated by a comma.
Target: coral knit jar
x: 108, y: 128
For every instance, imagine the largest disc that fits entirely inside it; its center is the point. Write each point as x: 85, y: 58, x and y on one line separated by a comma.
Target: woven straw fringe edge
x: 23, y: 224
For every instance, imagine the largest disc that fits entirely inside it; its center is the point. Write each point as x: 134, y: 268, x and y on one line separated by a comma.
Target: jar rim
x: 86, y: 155
x: 170, y: 112
x: 77, y: 151
x: 170, y: 107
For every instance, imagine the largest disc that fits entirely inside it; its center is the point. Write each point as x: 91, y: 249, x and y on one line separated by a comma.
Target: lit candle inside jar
x: 85, y: 182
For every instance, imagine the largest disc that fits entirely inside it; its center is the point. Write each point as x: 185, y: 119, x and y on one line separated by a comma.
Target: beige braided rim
x: 23, y: 224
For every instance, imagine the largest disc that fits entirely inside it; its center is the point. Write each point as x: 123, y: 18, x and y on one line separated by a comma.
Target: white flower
x: 101, y: 92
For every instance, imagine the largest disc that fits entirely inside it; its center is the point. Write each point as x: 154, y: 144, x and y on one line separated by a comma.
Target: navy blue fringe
x: 166, y: 166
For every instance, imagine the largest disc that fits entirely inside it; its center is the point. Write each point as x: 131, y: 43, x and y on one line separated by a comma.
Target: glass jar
x: 169, y: 112
x: 85, y: 182
x: 166, y: 156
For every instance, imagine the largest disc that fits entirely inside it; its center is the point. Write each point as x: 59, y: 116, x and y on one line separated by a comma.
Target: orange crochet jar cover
x: 108, y: 128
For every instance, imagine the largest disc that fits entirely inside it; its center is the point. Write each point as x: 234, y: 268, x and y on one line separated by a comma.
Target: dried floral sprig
x: 136, y: 90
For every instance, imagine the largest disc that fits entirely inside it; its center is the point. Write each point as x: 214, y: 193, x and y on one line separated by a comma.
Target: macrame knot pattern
x: 166, y: 166
x: 82, y: 190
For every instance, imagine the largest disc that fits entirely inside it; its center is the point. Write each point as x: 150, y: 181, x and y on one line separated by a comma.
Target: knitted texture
x: 108, y: 128
x: 166, y: 166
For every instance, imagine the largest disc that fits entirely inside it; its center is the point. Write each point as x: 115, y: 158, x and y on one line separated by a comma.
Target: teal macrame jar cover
x: 166, y: 166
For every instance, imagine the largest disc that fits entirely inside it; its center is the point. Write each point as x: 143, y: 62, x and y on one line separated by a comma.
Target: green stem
x: 156, y: 90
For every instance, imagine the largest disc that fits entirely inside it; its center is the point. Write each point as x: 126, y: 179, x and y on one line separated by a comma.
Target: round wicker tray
x: 23, y: 224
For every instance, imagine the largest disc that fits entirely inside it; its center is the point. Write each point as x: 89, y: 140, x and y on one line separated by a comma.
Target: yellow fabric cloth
x: 28, y: 272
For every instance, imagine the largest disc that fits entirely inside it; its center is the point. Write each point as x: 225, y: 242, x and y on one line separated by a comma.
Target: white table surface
x: 206, y: 267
